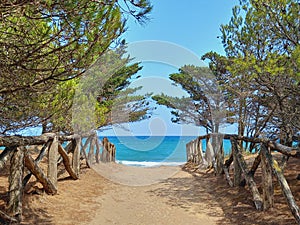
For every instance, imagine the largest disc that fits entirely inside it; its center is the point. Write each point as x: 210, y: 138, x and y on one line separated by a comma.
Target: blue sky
x: 192, y: 25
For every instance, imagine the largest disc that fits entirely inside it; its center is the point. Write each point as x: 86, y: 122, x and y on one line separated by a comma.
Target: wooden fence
x: 23, y: 165
x: 242, y: 175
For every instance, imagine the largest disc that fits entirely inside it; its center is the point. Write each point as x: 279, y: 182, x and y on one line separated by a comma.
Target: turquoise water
x: 154, y: 150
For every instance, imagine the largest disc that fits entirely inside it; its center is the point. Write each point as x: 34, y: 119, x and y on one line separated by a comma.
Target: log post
x: 110, y: 149
x: 69, y: 148
x: 52, y: 161
x: 249, y: 179
x: 193, y: 152
x: 253, y: 169
x: 91, y: 153
x: 66, y: 162
x: 197, y: 159
x: 186, y: 151
x: 200, y: 153
x: 227, y: 176
x: 187, y: 148
x: 237, y: 177
x: 226, y: 170
x: 212, y: 146
x: 209, y: 154
x: 113, y: 152
x: 267, y: 183
x: 104, y: 149
x: 76, y: 156
x: 37, y: 161
x: 199, y: 149
x: 219, y: 152
x: 83, y: 150
x: 49, y: 187
x: 97, y: 150
x: 284, y: 186
x: 15, y: 183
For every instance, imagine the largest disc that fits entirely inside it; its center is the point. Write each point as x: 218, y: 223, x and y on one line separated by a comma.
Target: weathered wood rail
x: 214, y: 158
x: 18, y: 155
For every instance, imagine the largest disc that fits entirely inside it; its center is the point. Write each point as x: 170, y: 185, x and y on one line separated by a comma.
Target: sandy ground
x: 140, y: 196
x: 161, y: 195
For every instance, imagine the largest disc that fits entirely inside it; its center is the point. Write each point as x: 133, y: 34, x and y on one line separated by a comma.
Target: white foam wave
x: 148, y: 164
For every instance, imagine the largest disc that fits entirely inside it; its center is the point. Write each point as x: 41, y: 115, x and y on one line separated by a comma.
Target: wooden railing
x: 213, y: 157
x: 17, y: 153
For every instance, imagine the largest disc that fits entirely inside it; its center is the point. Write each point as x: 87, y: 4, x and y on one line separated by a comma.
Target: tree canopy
x: 103, y: 96
x: 204, y: 106
x: 45, y: 43
x: 261, y: 67
x: 258, y: 77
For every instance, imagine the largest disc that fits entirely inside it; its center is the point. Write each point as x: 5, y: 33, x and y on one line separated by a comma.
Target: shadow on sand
x: 209, y: 194
x: 30, y: 215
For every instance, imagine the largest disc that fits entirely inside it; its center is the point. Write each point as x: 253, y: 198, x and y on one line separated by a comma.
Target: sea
x: 150, y: 151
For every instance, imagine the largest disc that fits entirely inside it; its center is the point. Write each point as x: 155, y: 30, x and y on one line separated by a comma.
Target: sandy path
x: 172, y: 196
x: 150, y: 204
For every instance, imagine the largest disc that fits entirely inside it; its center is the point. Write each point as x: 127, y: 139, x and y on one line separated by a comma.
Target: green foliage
x: 165, y: 100
x: 102, y: 96
x: 260, y: 72
x: 44, y: 43
x: 203, y: 107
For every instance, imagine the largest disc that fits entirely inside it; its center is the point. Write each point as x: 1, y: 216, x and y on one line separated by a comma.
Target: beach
x: 97, y: 200
x: 148, y: 204
x: 173, y: 196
